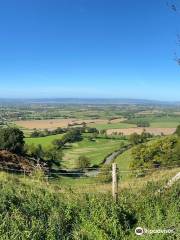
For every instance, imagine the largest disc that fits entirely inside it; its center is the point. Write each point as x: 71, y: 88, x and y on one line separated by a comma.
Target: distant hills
x: 91, y: 101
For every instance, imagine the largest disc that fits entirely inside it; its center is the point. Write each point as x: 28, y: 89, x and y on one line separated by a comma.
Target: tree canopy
x: 12, y: 139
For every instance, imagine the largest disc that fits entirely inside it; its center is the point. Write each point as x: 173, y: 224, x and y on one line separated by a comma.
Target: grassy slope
x: 96, y: 151
x: 33, y: 210
x: 44, y: 141
x: 91, y: 184
x: 124, y: 160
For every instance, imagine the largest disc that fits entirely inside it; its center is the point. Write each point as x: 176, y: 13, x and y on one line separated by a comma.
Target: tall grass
x: 35, y: 210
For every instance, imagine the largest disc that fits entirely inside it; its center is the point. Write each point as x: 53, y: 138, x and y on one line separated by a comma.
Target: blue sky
x: 88, y: 48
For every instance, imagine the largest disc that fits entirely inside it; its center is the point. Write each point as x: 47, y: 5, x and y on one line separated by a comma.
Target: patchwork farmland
x: 55, y: 123
x: 67, y: 158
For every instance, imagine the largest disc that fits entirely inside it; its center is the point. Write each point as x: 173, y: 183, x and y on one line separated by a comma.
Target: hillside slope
x: 11, y: 161
x: 35, y: 210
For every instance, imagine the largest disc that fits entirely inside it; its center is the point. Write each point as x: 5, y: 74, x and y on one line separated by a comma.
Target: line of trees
x: 73, y: 135
x: 46, y: 132
x: 138, y: 122
x: 136, y: 138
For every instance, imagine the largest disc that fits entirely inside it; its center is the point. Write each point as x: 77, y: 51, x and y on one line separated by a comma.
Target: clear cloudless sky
x: 89, y: 48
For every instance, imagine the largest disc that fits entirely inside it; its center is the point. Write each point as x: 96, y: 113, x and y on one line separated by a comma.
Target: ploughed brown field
x: 55, y: 123
x: 155, y: 131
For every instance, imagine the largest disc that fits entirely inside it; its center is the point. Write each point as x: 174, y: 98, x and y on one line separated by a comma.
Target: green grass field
x: 154, y: 122
x: 112, y: 125
x: 163, y: 121
x: 96, y: 151
x: 165, y: 124
x: 44, y: 141
x: 124, y: 160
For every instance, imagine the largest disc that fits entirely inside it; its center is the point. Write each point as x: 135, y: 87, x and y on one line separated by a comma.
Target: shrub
x: 105, y: 175
x: 143, y: 124
x: 83, y: 162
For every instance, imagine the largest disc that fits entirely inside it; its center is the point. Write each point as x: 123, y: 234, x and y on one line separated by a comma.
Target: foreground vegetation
x: 34, y: 210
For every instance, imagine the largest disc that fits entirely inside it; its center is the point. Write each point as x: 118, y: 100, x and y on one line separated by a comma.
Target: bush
x: 83, y: 162
x: 136, y: 139
x: 51, y: 155
x: 143, y: 124
x: 91, y: 130
x: 100, y: 218
x: 105, y: 175
x: 35, y: 151
x: 36, y: 133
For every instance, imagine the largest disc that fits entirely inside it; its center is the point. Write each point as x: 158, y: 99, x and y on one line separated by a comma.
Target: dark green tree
x: 73, y: 135
x: 135, y: 139
x: 12, y: 139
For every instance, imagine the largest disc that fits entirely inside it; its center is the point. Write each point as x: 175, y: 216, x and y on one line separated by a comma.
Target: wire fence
x: 99, y: 180
x: 62, y: 171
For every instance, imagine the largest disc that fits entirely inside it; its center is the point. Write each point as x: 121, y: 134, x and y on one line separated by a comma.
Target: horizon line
x: 90, y: 98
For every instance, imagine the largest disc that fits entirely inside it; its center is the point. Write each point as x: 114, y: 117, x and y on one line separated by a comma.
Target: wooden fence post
x: 114, y: 182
